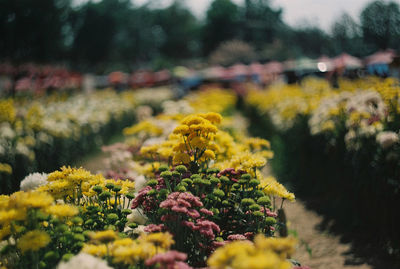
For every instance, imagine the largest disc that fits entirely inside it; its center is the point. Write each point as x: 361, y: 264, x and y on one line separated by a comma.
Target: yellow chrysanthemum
x: 163, y: 240
x: 95, y: 250
x: 62, y: 211
x: 33, y: 240
x: 33, y: 199
x: 104, y: 236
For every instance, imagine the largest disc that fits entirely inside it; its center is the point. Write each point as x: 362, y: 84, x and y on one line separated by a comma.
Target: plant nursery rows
x: 186, y: 187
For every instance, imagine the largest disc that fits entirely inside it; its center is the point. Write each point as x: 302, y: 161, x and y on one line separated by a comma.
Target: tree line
x: 106, y: 34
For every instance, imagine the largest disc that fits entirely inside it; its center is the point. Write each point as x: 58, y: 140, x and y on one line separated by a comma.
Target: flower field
x: 184, y: 190
x: 340, y: 146
x: 44, y: 134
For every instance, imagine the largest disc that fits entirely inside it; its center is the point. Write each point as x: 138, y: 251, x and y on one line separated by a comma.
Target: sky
x: 295, y: 12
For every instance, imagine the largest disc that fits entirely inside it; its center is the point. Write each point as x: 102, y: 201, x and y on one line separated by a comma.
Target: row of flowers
x: 192, y: 196
x: 43, y: 134
x: 340, y: 143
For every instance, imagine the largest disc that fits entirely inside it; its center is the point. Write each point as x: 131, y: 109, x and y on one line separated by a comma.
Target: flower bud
x: 97, y: 189
x: 126, y: 211
x: 152, y: 192
x: 264, y: 201
x: 246, y: 177
x: 247, y: 201
x: 163, y: 168
x: 181, y: 169
x: 254, y: 207
x: 258, y: 214
x: 110, y: 186
x: 166, y: 175
x: 117, y: 188
x: 104, y: 195
x: 77, y: 229
x: 214, y: 180
x: 130, y: 195
x: 219, y: 193
x: 79, y: 237
x: 176, y: 174
x: 112, y: 218
x: 254, y: 182
x: 67, y: 256
x: 133, y: 225
x: 77, y: 220
x: 187, y: 181
x: 270, y: 221
x: 224, y: 179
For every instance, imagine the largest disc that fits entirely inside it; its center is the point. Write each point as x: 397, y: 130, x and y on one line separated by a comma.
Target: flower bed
x: 44, y: 134
x: 339, y: 145
x: 194, y: 197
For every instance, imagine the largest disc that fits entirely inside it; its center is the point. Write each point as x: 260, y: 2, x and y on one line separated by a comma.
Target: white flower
x: 137, y: 216
x: 84, y: 261
x: 139, y: 230
x: 32, y: 181
x: 387, y: 139
x: 140, y: 182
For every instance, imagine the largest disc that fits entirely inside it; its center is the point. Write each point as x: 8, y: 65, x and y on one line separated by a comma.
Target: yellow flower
x: 58, y: 189
x: 33, y: 240
x: 260, y: 260
x: 274, y: 188
x: 5, y: 231
x: 131, y: 253
x: 148, y: 151
x: 5, y: 168
x: 4, y: 201
x: 265, y: 253
x: 181, y: 129
x: 283, y: 246
x: 6, y: 216
x: 33, y: 199
x: 213, y: 117
x: 104, y: 236
x: 181, y: 158
x: 95, y: 250
x: 225, y: 256
x: 208, y: 154
x: 328, y: 125
x: 145, y: 128
x: 7, y: 111
x: 62, y: 211
x: 163, y: 240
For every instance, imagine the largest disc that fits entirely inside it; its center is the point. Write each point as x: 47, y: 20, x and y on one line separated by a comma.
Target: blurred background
x: 108, y: 35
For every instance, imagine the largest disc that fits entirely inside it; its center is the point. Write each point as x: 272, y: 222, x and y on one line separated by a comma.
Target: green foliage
x: 380, y: 23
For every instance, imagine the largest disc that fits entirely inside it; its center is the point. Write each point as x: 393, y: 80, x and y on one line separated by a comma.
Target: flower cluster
x: 49, y: 131
x: 264, y: 253
x: 185, y: 189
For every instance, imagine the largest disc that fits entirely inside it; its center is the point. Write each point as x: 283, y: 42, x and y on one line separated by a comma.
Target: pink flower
x: 193, y: 213
x: 206, y: 212
x: 237, y: 237
x: 168, y: 260
x: 140, y: 198
x: 269, y: 212
x: 153, y: 228
x: 189, y: 224
x: 179, y: 209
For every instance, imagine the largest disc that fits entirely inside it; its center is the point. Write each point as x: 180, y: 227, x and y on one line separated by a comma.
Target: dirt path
x: 95, y: 163
x: 327, y: 252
